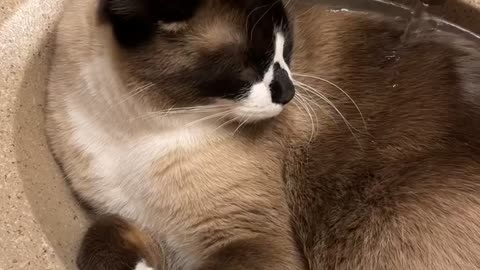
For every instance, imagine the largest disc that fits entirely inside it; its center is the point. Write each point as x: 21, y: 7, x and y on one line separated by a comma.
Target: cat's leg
x: 423, y: 220
x: 260, y: 253
x: 113, y: 244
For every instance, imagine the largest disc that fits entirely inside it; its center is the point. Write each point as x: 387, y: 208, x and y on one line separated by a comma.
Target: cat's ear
x: 135, y: 21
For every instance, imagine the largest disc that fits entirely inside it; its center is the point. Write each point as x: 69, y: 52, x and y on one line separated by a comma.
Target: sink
x: 41, y: 223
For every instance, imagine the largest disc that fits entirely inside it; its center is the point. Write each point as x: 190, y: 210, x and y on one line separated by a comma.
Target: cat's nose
x: 282, y: 87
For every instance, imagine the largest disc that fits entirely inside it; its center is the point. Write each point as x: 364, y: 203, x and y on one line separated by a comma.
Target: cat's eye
x: 249, y: 75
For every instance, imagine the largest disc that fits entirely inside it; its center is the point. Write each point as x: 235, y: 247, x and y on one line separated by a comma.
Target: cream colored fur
x: 167, y: 174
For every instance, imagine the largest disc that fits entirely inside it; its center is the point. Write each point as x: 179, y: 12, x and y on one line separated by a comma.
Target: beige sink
x: 40, y: 224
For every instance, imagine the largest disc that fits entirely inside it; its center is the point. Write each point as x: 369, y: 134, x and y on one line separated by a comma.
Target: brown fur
x: 112, y: 243
x: 405, y: 193
x: 401, y: 192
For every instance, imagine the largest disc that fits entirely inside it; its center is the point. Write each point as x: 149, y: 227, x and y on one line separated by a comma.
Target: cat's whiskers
x: 322, y: 97
x: 337, y: 87
x: 298, y: 98
x: 225, y: 123
x: 134, y: 93
x: 97, y: 116
x: 308, y: 102
x: 212, y: 116
x: 312, y: 101
x: 245, y: 120
x: 305, y: 12
x: 183, y: 110
x: 317, y: 93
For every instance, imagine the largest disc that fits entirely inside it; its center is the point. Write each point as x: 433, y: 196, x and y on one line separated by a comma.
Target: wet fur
x: 401, y: 192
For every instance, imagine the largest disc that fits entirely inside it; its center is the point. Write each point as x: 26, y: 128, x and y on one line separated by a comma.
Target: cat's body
x: 189, y: 181
x: 405, y: 194
x: 399, y: 189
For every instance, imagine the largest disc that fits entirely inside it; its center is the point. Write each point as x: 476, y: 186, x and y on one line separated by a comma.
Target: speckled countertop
x: 40, y: 224
x: 34, y: 202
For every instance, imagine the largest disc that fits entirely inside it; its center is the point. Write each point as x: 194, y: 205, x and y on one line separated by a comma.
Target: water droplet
x: 339, y: 10
x: 392, y: 56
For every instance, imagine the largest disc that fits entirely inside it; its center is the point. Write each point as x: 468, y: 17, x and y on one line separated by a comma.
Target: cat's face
x: 230, y: 52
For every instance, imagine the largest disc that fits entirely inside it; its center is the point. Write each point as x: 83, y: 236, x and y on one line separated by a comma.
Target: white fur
x: 124, y: 160
x: 121, y: 168
x: 279, y: 52
x: 258, y: 105
x: 123, y: 153
x: 143, y: 266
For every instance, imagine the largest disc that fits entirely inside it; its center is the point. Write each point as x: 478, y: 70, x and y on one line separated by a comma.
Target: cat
x: 249, y: 134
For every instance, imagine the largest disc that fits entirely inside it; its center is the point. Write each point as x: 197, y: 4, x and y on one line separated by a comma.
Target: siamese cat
x: 261, y: 134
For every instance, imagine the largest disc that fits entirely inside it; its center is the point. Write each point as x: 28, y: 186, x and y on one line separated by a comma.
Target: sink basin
x: 41, y: 223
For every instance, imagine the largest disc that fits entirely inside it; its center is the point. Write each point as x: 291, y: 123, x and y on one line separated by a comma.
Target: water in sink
x: 415, y: 21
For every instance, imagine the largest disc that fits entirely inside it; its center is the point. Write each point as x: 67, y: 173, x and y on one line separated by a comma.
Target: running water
x: 415, y: 20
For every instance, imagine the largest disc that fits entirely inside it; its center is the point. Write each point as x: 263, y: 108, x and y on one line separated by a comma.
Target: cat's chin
x: 254, y: 114
x: 246, y: 111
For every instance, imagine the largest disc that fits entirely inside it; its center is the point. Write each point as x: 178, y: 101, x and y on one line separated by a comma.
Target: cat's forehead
x: 252, y: 24
x: 253, y: 9
x: 249, y: 17
x: 137, y: 21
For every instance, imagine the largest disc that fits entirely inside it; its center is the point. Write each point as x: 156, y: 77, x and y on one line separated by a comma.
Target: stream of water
x: 416, y: 20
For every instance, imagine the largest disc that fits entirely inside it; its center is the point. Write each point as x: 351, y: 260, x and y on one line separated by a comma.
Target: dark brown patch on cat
x: 224, y: 48
x: 113, y: 244
x: 135, y: 22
